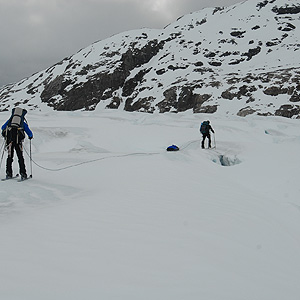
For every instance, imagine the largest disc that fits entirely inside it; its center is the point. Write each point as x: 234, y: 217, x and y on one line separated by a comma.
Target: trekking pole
x: 215, y: 140
x: 30, y: 159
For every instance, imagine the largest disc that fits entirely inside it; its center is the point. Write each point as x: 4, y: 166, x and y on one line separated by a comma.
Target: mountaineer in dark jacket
x: 205, y: 129
x: 13, y: 131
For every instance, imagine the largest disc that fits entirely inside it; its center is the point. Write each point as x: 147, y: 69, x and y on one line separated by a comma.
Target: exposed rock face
x: 288, y: 111
x: 251, y: 66
x: 245, y: 111
x: 101, y: 85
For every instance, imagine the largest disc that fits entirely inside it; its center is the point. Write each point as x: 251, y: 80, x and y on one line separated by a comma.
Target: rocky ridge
x: 238, y: 60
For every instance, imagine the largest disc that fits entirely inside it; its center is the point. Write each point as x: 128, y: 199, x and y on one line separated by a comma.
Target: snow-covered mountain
x: 243, y: 59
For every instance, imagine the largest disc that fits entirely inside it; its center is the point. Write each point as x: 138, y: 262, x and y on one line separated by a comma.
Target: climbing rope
x: 90, y: 161
x: 99, y: 159
x: 188, y: 144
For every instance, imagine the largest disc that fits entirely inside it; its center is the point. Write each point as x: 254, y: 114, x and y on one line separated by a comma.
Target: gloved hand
x: 31, y: 137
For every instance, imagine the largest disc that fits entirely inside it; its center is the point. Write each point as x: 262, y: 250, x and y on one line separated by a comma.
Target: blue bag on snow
x: 173, y: 148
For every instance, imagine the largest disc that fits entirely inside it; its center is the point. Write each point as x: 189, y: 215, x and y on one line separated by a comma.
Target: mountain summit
x: 242, y: 59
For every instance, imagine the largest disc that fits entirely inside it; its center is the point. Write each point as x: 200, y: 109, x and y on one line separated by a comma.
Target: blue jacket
x: 26, y: 129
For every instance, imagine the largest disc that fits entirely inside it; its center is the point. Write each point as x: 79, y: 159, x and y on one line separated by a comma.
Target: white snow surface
x: 122, y: 218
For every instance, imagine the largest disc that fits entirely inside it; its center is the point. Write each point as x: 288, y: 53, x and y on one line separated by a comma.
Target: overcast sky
x: 35, y: 34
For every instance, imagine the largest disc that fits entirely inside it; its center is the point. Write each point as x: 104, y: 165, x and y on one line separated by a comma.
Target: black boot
x: 8, y: 175
x: 23, y: 176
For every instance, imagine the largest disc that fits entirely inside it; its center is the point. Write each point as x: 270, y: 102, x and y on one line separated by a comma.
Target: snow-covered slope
x: 118, y: 217
x: 240, y: 60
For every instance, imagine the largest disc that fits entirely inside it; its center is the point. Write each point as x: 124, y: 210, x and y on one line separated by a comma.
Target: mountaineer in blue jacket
x: 13, y: 130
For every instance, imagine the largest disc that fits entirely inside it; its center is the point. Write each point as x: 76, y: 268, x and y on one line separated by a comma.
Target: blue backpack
x: 173, y: 148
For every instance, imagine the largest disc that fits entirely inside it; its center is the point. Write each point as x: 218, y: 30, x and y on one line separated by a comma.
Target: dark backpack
x: 14, y: 130
x: 204, y: 128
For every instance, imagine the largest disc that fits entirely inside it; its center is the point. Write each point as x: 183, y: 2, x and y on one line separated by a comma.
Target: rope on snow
x: 101, y: 158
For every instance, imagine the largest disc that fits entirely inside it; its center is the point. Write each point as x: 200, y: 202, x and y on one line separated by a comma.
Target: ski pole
x: 30, y: 159
x: 2, y: 154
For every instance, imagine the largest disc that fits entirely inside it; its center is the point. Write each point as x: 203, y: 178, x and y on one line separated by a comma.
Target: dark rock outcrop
x: 288, y: 111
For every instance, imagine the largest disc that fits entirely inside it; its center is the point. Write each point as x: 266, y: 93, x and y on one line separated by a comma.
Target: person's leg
x: 209, y: 141
x: 10, y: 159
x: 203, y: 139
x: 19, y: 150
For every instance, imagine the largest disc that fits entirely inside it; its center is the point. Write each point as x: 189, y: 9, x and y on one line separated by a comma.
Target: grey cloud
x: 36, y: 34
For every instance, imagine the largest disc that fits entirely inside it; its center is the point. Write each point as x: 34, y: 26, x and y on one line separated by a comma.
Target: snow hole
x: 226, y: 161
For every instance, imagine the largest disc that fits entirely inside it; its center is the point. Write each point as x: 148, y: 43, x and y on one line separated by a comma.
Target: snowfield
x: 110, y: 214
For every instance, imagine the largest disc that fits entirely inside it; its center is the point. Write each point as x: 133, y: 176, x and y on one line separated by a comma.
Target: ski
x: 24, y: 179
x: 8, y: 178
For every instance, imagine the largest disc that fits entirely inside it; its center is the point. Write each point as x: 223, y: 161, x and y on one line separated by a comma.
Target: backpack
x: 14, y: 130
x: 204, y: 128
x: 17, y: 117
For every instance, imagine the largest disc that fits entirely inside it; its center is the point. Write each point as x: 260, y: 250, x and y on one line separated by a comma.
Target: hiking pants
x: 204, y: 136
x: 19, y: 150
